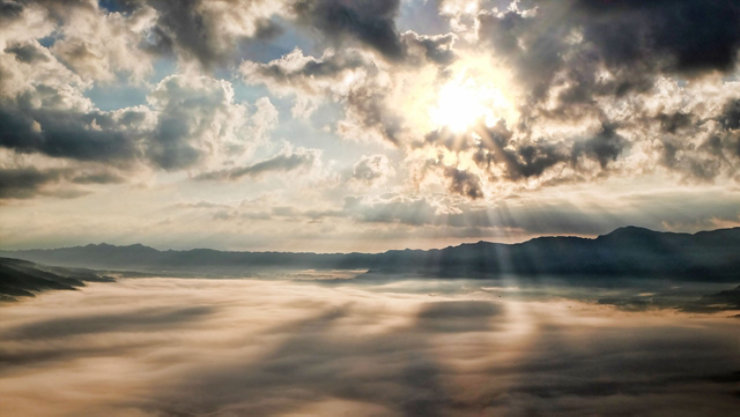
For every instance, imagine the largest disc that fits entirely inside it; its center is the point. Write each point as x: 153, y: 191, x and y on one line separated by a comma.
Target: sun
x: 464, y: 102
x: 469, y: 98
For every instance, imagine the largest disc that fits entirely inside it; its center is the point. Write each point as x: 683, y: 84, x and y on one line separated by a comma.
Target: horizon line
x: 372, y: 253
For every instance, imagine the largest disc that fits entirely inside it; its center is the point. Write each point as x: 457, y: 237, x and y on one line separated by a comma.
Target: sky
x: 338, y: 125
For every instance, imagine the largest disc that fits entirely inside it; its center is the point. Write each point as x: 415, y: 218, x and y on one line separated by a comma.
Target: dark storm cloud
x: 27, y: 53
x: 464, y: 183
x: 25, y: 183
x: 169, y: 134
x: 630, y: 37
x: 520, y: 161
x: 371, y: 22
x: 604, y: 147
x: 120, y: 139
x: 672, y: 123
x: 169, y: 148
x: 695, y: 163
x: 701, y: 149
x: 267, y: 29
x: 28, y: 182
x: 684, y: 36
x: 730, y: 122
x: 280, y: 163
x: 179, y: 24
x: 10, y: 9
x: 97, y: 178
x: 65, y: 134
x: 537, y: 62
x: 191, y: 29
x: 559, y: 51
x: 730, y: 117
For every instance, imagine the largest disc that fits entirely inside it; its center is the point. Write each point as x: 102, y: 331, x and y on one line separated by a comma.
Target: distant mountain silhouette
x: 19, y: 278
x: 629, y: 251
x: 626, y: 251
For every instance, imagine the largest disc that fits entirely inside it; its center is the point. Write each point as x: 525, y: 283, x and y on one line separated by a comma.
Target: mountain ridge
x: 22, y: 278
x: 626, y: 250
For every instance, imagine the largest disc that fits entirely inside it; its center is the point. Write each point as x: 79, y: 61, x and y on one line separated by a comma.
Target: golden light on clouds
x: 477, y: 90
x: 464, y: 101
x: 469, y: 104
x: 402, y: 208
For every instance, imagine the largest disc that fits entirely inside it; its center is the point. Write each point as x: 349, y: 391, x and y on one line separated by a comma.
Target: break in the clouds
x: 310, y: 106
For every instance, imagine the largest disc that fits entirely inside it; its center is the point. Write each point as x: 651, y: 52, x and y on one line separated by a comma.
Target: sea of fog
x: 412, y: 347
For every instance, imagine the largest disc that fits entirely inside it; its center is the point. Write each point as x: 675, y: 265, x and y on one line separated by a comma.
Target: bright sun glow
x: 463, y: 102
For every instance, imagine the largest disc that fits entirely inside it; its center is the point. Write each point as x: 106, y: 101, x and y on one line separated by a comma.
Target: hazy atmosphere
x: 396, y: 208
x: 169, y: 347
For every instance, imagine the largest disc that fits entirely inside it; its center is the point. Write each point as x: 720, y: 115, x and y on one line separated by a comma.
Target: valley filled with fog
x: 320, y: 344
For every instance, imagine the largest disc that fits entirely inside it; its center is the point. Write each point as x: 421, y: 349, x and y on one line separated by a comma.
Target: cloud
x: 94, y: 44
x: 372, y: 23
x: 412, y: 211
x: 197, y: 119
x: 102, y: 46
x: 93, y: 136
x: 629, y: 37
x: 730, y: 117
x: 574, y: 95
x: 145, y: 319
x: 434, y: 48
x: 285, y: 162
x: 372, y: 168
x: 573, y: 76
x: 24, y: 183
x: 296, y: 72
x: 458, y: 316
x: 408, y: 348
x: 670, y: 211
x: 684, y: 36
x: 27, y: 53
x: 205, y: 32
x: 464, y: 183
x: 606, y: 146
x: 28, y: 182
x: 347, y: 76
x: 357, y: 80
x: 189, y: 122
